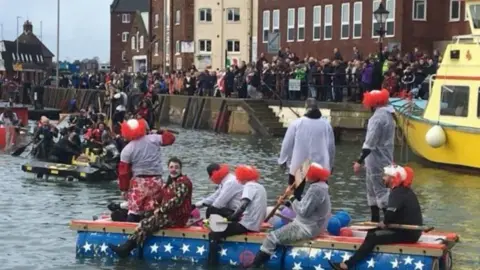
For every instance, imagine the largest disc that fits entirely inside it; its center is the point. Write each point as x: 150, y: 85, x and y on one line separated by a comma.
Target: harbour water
x: 34, y: 231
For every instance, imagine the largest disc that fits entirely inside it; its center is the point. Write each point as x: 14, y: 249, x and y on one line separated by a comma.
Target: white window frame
x: 125, y: 18
x: 206, y: 42
x: 177, y: 17
x: 276, y: 20
x: 124, y: 55
x: 301, y: 23
x: 466, y: 12
x: 125, y: 36
x: 233, y: 45
x: 317, y: 10
x: 142, y: 42
x: 156, y: 20
x: 204, y: 10
x: 177, y: 47
x: 391, y: 17
x: 451, y: 19
x: 290, y: 13
x: 156, y: 49
x: 357, y: 21
x: 234, y: 10
x: 327, y: 24
x: 375, y: 4
x: 133, y: 42
x: 414, y: 10
x: 345, y: 21
x: 265, y: 25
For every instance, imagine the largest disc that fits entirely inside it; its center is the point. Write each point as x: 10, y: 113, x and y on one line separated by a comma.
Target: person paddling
x: 312, y: 214
x: 403, y: 208
x: 227, y: 197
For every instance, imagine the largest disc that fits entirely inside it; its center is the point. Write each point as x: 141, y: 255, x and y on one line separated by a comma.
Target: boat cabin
x: 455, y: 92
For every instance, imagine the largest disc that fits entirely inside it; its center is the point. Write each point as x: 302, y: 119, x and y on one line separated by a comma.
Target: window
x: 454, y: 10
x: 475, y: 12
x: 157, y: 20
x: 124, y: 55
x: 357, y: 19
x: 177, y: 47
x: 317, y: 22
x: 454, y: 100
x: 23, y: 57
x: 155, y: 48
x: 233, y: 46
x: 205, y: 45
x: 291, y: 25
x: 14, y: 57
x: 276, y: 20
x: 233, y: 14
x: 177, y: 17
x: 390, y: 25
x: 205, y: 14
x: 345, y: 21
x: 419, y: 10
x: 41, y: 58
x: 390, y: 22
x: 142, y: 41
x: 134, y: 43
x: 301, y: 24
x: 125, y: 36
x: 327, y: 23
x: 125, y: 18
x: 30, y: 58
x: 266, y: 25
x: 37, y: 58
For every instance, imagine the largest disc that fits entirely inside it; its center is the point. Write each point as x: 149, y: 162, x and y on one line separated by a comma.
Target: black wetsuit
x: 403, y: 208
x: 64, y: 150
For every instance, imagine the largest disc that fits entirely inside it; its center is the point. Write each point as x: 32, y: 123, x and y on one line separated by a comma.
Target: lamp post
x: 58, y: 44
x: 381, y: 16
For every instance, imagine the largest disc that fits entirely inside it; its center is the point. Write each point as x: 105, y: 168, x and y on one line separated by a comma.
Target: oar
x: 365, y: 226
x: 21, y: 149
x: 217, y: 223
x: 299, y: 177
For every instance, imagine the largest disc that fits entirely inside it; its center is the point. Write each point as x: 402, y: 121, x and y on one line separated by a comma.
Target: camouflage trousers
x: 289, y: 233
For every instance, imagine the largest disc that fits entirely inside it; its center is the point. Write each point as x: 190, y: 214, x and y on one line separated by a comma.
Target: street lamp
x: 381, y: 16
x: 58, y: 45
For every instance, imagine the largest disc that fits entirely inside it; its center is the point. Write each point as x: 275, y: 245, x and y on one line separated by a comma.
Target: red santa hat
x: 133, y: 129
x: 246, y: 173
x: 402, y: 176
x: 316, y: 172
x: 376, y: 98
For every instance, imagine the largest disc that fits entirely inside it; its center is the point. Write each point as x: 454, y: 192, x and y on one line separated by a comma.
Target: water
x: 34, y: 231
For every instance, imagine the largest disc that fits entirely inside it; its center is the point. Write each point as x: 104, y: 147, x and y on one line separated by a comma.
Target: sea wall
x: 225, y: 115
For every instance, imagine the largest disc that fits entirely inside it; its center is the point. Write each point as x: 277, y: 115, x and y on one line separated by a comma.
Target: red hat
x: 218, y: 172
x: 316, y: 172
x: 133, y: 129
x: 376, y: 98
x: 246, y: 173
x: 402, y: 176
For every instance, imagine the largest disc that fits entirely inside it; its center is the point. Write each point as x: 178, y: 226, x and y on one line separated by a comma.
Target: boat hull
x: 191, y: 245
x: 461, y: 148
x: 80, y: 172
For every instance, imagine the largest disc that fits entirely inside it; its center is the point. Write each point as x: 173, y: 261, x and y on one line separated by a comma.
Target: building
x: 27, y: 62
x: 28, y: 37
x: 121, y: 20
x: 225, y: 32
x: 157, y: 27
x: 316, y: 27
x: 136, y: 50
x: 182, y: 34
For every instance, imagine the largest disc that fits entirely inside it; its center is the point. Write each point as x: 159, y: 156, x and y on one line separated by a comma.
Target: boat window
x: 454, y: 100
x: 475, y: 13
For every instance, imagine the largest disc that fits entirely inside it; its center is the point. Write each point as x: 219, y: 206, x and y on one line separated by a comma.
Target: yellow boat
x: 446, y: 128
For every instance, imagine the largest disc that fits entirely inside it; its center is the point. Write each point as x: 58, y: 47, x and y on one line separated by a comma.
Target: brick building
x: 136, y: 50
x: 316, y: 27
x: 157, y: 27
x: 121, y: 20
x: 183, y: 24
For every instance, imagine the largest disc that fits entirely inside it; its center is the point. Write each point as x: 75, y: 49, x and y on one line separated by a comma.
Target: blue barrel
x: 344, y: 218
x: 334, y: 225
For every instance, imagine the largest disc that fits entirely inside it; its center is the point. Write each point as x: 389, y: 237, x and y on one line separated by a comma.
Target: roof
x: 129, y: 6
x: 29, y: 55
x: 31, y: 38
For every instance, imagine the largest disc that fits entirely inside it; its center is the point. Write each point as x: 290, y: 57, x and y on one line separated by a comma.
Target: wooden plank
x: 185, y: 114
x: 198, y: 115
x: 220, y: 116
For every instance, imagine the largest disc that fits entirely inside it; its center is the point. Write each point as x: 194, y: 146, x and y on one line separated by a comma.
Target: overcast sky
x: 84, y: 25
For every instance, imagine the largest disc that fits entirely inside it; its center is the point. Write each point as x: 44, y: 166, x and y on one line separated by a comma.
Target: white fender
x: 436, y: 136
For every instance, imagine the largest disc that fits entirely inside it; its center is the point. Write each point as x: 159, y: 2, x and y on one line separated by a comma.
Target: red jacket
x: 176, y: 201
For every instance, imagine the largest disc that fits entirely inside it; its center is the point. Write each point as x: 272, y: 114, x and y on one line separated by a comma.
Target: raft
x: 80, y: 170
x: 432, y: 252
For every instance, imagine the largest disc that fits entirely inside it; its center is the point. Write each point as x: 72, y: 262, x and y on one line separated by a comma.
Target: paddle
x: 217, y: 223
x: 366, y: 226
x: 299, y: 178
x: 21, y: 149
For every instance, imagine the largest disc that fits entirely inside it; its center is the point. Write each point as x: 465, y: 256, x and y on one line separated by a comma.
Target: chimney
x: 27, y: 27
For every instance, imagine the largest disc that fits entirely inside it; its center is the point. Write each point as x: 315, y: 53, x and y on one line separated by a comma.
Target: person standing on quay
x: 308, y: 137
x: 377, y: 150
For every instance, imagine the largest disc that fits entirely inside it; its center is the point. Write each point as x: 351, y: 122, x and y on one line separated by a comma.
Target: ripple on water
x: 35, y: 214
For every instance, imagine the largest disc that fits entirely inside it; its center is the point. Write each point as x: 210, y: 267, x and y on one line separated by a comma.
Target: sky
x: 84, y: 25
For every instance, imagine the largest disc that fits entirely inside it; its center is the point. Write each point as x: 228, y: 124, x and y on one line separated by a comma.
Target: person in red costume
x: 140, y: 168
x: 173, y: 209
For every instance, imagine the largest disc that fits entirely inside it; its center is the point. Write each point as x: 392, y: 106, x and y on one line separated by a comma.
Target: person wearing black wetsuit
x: 66, y: 148
x: 403, y: 208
